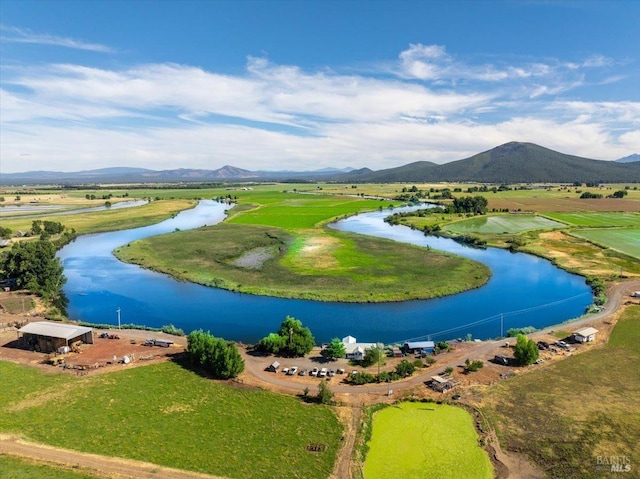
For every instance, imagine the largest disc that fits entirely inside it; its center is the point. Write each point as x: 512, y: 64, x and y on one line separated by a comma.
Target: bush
x: 473, y: 366
x: 218, y: 357
x: 525, y: 351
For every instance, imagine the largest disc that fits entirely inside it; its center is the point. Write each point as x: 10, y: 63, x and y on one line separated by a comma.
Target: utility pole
x: 118, y: 311
x: 501, y: 325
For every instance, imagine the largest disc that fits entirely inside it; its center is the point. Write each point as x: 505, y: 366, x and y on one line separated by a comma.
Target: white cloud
x: 20, y: 35
x: 70, y: 117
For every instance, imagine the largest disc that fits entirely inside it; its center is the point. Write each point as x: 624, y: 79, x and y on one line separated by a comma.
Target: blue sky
x: 312, y: 84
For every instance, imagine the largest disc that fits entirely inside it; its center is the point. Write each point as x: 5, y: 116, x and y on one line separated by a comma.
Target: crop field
x: 15, y: 468
x: 567, y: 414
x: 509, y: 224
x: 425, y: 440
x: 598, y: 220
x: 170, y: 416
x: 624, y: 240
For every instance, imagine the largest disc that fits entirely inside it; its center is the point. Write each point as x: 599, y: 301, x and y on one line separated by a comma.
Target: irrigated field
x: 426, y: 440
x: 568, y: 414
x: 597, y: 220
x: 170, y: 416
x: 14, y: 468
x: 507, y: 224
x: 624, y: 240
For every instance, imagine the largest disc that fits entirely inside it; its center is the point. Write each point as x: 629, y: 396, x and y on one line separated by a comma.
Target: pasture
x: 502, y: 224
x: 171, y: 416
x: 624, y: 240
x: 15, y: 468
x: 568, y: 413
x: 426, y: 440
x: 597, y: 220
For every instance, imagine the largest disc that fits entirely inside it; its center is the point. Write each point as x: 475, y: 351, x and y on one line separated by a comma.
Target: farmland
x: 14, y: 468
x: 626, y: 240
x: 508, y: 224
x: 213, y: 428
x: 566, y: 415
x: 428, y: 440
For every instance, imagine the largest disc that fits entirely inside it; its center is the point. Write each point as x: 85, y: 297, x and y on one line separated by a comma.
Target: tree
x: 374, y: 355
x: 334, y: 350
x: 219, y: 357
x: 325, y: 396
x: 405, y: 368
x: 525, y: 351
x: 473, y: 366
x: 291, y: 340
x: 36, y: 268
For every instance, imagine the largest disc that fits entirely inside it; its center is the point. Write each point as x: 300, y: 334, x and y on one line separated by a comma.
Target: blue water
x: 523, y: 291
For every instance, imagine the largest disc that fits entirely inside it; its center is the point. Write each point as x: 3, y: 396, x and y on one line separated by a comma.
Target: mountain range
x: 512, y: 162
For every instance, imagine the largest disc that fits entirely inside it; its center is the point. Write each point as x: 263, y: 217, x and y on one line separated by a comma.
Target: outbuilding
x: 47, y: 336
x: 585, y: 335
x: 419, y: 347
x: 274, y: 366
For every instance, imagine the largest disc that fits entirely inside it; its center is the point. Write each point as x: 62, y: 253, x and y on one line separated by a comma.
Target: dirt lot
x: 96, y: 356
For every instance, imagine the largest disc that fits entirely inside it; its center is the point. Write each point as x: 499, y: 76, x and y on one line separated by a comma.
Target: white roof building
x: 55, y: 330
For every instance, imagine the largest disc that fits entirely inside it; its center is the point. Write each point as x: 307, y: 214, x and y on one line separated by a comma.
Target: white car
x: 314, y: 372
x: 292, y: 371
x: 323, y: 372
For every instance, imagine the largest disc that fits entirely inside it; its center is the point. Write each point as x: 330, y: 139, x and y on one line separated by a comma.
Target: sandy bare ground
x: 94, y: 464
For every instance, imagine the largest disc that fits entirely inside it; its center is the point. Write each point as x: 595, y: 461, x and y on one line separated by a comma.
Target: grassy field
x: 597, y: 220
x: 170, y: 416
x: 624, y: 240
x: 425, y: 440
x: 567, y: 414
x: 505, y: 224
x: 312, y: 264
x: 15, y: 468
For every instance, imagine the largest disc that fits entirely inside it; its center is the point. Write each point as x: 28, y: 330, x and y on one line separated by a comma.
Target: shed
x: 48, y: 336
x: 273, y: 367
x: 585, y: 335
x: 438, y: 383
x: 419, y: 346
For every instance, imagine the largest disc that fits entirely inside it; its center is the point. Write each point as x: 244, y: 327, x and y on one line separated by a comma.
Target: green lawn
x: 510, y: 224
x: 425, y: 440
x: 15, y: 468
x: 597, y: 220
x: 624, y: 240
x: 170, y: 416
x: 565, y: 415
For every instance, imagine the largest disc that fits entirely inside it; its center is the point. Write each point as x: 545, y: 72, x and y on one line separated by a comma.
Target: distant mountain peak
x: 629, y: 159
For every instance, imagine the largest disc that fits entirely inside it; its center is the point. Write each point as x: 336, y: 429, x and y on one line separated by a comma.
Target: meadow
x: 309, y: 264
x: 565, y: 415
x: 426, y: 440
x: 171, y: 416
x: 502, y: 224
x: 15, y: 468
x: 624, y: 240
x: 597, y: 220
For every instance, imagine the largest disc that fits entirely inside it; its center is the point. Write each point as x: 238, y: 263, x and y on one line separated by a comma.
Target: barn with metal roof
x: 48, y: 336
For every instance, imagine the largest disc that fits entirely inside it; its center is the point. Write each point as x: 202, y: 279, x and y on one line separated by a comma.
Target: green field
x: 509, y: 224
x: 325, y: 266
x: 597, y: 220
x: 15, y: 468
x: 170, y: 416
x: 624, y: 240
x: 565, y: 415
x: 425, y: 440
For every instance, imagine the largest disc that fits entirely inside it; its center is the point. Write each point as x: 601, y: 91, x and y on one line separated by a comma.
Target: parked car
x: 332, y: 372
x: 323, y: 372
x: 543, y: 345
x: 314, y: 372
x: 285, y: 370
x: 340, y: 371
x: 562, y: 344
x: 499, y: 359
x: 292, y: 371
x: 303, y: 372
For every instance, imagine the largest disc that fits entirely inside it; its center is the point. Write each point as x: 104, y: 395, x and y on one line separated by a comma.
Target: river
x: 523, y: 291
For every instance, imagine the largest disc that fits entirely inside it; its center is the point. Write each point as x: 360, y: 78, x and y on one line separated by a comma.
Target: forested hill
x: 510, y: 163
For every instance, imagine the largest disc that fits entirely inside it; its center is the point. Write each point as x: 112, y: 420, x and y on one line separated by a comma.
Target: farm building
x: 585, y: 335
x: 419, y: 347
x: 355, y: 350
x: 438, y: 383
x: 47, y: 336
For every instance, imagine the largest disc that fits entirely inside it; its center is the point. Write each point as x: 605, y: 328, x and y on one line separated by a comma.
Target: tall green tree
x: 374, y: 355
x: 218, y: 357
x: 295, y: 340
x: 36, y: 268
x: 334, y: 350
x: 525, y: 351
